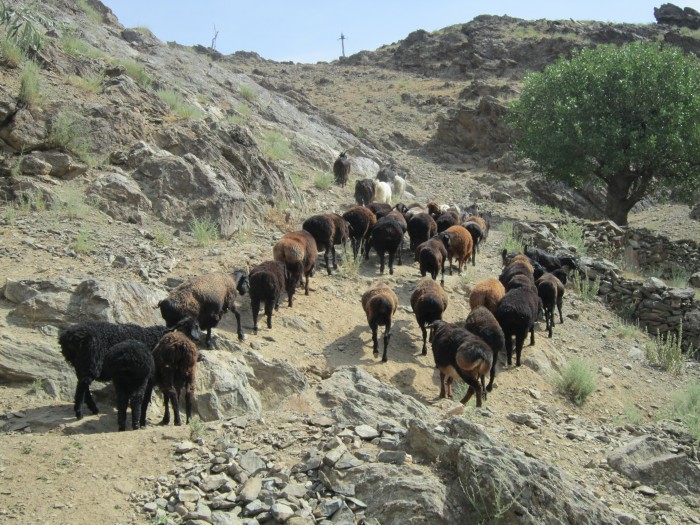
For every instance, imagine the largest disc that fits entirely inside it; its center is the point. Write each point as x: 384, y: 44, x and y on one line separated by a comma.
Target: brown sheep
x: 550, y: 288
x: 461, y: 246
x: 428, y: 302
x: 297, y: 250
x: 327, y: 229
x: 432, y: 254
x: 175, y: 357
x: 482, y: 223
x: 361, y: 220
x: 483, y: 323
x: 487, y: 293
x: 341, y: 169
x: 380, y: 303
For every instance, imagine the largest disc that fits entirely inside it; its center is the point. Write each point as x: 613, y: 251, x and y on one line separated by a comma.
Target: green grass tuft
x: 572, y: 233
x: 685, y: 405
x: 512, y: 242
x: 248, y: 93
x: 90, y: 83
x: 11, y: 53
x: 586, y: 289
x: 323, y: 181
x: 176, y: 102
x: 666, y: 351
x: 576, y: 382
x: 137, y: 72
x: 30, y: 84
x: 276, y: 146
x: 90, y: 11
x: 70, y: 130
x: 82, y: 243
x: 204, y: 230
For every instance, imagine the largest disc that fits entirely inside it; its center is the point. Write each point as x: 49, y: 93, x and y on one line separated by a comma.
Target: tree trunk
x: 618, y: 201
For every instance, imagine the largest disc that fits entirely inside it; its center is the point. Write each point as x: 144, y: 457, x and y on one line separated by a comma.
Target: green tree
x: 624, y: 118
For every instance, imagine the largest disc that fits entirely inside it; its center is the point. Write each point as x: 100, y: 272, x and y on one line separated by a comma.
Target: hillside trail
x: 67, y: 471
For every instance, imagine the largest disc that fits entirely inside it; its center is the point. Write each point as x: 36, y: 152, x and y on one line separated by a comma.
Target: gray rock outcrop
x: 673, y: 15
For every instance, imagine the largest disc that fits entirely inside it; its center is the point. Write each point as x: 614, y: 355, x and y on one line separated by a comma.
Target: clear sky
x: 309, y: 31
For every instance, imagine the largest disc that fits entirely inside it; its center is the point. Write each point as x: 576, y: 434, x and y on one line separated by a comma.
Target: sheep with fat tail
x: 380, y: 303
x: 428, y: 302
x: 297, y: 250
x: 206, y: 298
x: 482, y: 323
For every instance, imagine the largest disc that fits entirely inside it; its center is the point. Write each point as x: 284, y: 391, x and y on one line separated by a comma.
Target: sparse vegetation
x: 349, y: 267
x: 21, y: 26
x: 31, y: 200
x: 248, y: 93
x: 78, y: 48
x: 82, y: 243
x: 196, y: 428
x: 511, y: 241
x: 30, y: 84
x: 276, y: 146
x: 11, y: 53
x: 90, y: 83
x: 489, y: 509
x: 176, y: 102
x: 137, y: 72
x: 70, y: 203
x: 666, y: 351
x: 576, y: 382
x: 36, y: 387
x: 586, y: 289
x: 204, y: 230
x: 572, y: 233
x: 323, y: 181
x: 90, y: 11
x: 678, y: 277
x: 70, y: 130
x: 10, y: 212
x: 685, y: 405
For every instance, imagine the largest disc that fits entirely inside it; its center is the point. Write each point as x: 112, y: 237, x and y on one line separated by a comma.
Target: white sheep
x: 398, y: 186
x: 382, y: 192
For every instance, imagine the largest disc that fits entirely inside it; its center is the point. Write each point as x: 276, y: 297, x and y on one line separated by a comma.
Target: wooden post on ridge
x: 213, y: 40
x: 342, y: 42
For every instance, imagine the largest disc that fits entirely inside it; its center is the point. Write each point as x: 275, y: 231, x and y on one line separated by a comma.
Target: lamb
x: 549, y: 261
x: 517, y: 313
x: 297, y: 250
x: 382, y: 192
x: 327, y: 230
x: 380, y: 303
x: 361, y: 220
x: 341, y: 169
x: 206, y: 298
x: 487, y: 293
x: 459, y: 354
x: 432, y: 254
x: 420, y: 227
x: 550, y: 288
x: 461, y: 246
x: 132, y: 369
x: 84, y: 346
x: 176, y: 357
x: 267, y: 280
x: 386, y: 237
x: 364, y: 191
x: 428, y: 302
x: 483, y: 324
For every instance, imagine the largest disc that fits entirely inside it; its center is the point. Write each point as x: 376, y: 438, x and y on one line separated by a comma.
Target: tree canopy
x: 626, y: 118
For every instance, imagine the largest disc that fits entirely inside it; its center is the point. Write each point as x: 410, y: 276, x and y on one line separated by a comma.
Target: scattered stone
x: 366, y: 432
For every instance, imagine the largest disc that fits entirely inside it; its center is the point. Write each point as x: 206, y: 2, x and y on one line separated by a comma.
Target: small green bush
x: 572, y: 233
x: 247, y: 92
x: 176, y: 102
x: 666, y: 351
x: 204, y: 230
x: 11, y: 53
x: 30, y: 84
x: 323, y: 181
x: 137, y: 72
x: 349, y: 267
x: 512, y: 242
x: 577, y: 381
x: 78, y: 48
x: 90, y: 83
x: 90, y: 11
x: 196, y: 428
x: 70, y: 130
x: 70, y: 204
x: 276, y: 146
x: 678, y: 277
x: 82, y: 242
x: 685, y: 405
x: 586, y: 289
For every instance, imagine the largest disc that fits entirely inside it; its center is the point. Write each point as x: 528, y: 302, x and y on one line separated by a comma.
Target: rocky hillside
x: 123, y: 154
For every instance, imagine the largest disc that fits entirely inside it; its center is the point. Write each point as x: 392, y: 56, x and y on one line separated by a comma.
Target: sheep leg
x: 449, y: 386
x: 489, y: 387
x: 291, y: 285
x: 268, y: 312
x: 255, y: 307
x: 468, y: 395
x: 519, y: 340
x: 450, y: 265
x: 238, y: 322
x: 122, y: 404
x: 381, y: 262
x: 90, y: 401
x: 80, y: 394
x: 145, y: 402
x: 325, y: 258
x: 550, y: 321
x: 399, y: 252
x: 166, y: 409
x: 391, y: 262
x: 509, y: 349
x: 175, y: 400
x: 208, y: 338
x: 375, y: 343
x: 561, y: 319
x: 136, y: 400
x: 425, y: 335
x: 335, y: 262
x: 387, y: 336
x: 532, y: 334
x: 306, y: 285
x: 189, y: 396
x: 442, y: 385
x: 442, y: 278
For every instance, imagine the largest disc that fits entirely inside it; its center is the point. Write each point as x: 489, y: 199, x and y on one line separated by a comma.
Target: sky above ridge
x: 309, y: 31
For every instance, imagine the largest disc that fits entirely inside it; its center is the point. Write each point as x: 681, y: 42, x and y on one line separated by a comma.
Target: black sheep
x: 517, y: 313
x: 550, y: 288
x: 386, y: 237
x: 481, y: 322
x: 428, y: 302
x: 130, y: 363
x: 206, y: 298
x: 327, y: 230
x: 386, y: 174
x: 548, y: 261
x: 267, y: 280
x: 380, y: 209
x: 445, y: 220
x: 420, y: 227
x: 432, y: 254
x: 341, y: 169
x: 476, y: 232
x: 361, y: 220
x: 84, y: 346
x: 364, y: 191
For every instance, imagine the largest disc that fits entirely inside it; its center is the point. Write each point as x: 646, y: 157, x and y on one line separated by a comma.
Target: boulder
x: 64, y: 301
x: 695, y: 213
x: 275, y: 381
x: 24, y: 132
x: 673, y: 15
x: 120, y: 197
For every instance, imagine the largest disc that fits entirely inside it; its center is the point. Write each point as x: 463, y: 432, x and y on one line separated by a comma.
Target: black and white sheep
x: 206, y: 298
x: 327, y: 229
x: 380, y: 304
x: 297, y: 250
x: 386, y: 237
x: 175, y: 357
x: 459, y: 354
x: 428, y: 302
x: 483, y: 323
x: 548, y: 261
x: 517, y: 313
x: 267, y: 280
x: 84, y: 346
x: 364, y: 191
x: 341, y: 169
x: 431, y: 256
x: 361, y: 220
x: 130, y: 363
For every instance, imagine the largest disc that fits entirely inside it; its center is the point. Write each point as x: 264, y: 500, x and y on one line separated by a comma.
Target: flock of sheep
x: 138, y: 358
